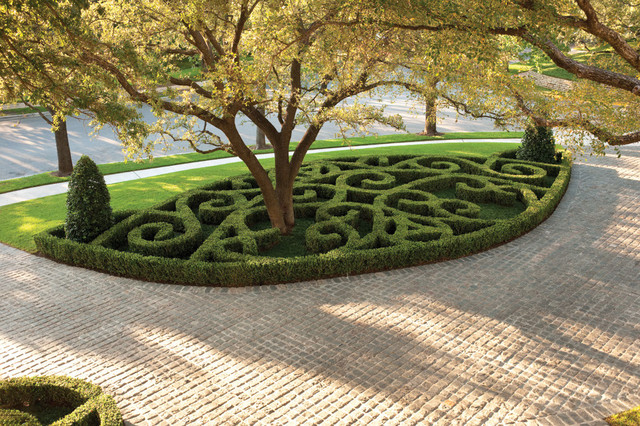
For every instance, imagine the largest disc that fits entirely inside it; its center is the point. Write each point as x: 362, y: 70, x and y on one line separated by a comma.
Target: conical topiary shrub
x: 88, y: 209
x: 538, y: 144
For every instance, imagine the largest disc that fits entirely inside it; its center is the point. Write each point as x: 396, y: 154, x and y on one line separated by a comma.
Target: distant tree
x: 34, y: 70
x: 430, y: 114
x: 431, y: 110
x: 56, y: 120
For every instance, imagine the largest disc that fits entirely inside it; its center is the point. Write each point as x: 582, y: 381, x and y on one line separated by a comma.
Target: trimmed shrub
x: 370, y: 214
x: 538, y: 144
x: 84, y: 401
x: 88, y: 210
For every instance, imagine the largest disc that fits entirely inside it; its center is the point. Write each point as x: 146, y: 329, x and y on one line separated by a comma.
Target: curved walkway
x: 544, y: 329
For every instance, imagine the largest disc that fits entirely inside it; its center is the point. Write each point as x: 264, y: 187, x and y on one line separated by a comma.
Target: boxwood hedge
x: 86, y: 403
x: 371, y: 213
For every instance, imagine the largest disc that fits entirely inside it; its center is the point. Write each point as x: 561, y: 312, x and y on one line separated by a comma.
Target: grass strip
x: 171, y: 160
x: 22, y: 220
x: 547, y: 67
x: 21, y: 111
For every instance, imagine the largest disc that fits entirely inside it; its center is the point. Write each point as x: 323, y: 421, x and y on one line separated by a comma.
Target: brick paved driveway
x: 542, y: 329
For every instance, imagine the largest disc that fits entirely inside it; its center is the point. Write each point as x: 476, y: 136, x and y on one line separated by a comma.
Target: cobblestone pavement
x: 542, y: 330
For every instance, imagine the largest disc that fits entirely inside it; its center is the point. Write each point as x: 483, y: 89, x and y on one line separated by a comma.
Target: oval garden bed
x: 56, y: 400
x: 353, y: 215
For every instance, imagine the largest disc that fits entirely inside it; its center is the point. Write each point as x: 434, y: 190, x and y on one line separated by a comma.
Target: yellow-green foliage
x: 626, y: 418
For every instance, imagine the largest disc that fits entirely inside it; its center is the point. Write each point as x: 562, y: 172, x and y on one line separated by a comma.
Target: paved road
x: 544, y: 329
x: 27, y: 145
x: 61, y: 187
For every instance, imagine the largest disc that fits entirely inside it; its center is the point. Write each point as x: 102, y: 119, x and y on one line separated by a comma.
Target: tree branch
x: 201, y: 44
x: 44, y: 117
x: 587, y: 125
x: 194, y: 85
x: 242, y: 20
x: 593, y: 26
x: 261, y: 122
x: 512, y: 31
x: 184, y: 52
x: 463, y: 108
x: 213, y: 42
x: 292, y: 105
x: 136, y: 95
x: 589, y: 72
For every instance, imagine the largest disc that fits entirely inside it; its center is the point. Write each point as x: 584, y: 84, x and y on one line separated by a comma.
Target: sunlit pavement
x: 544, y: 329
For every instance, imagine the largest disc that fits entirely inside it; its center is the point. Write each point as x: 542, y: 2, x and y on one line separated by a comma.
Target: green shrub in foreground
x: 88, y: 209
x: 369, y: 213
x: 89, y: 405
x: 538, y: 144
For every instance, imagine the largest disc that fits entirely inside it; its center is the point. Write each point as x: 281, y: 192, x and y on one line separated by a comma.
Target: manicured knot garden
x: 353, y: 215
x: 56, y: 400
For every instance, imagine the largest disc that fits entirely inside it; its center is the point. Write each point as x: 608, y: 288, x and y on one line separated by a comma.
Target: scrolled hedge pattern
x: 371, y: 213
x: 89, y: 405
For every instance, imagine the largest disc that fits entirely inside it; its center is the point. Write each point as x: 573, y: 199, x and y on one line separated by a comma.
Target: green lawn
x: 170, y: 160
x: 22, y: 220
x: 194, y: 73
x: 547, y: 67
x: 20, y: 111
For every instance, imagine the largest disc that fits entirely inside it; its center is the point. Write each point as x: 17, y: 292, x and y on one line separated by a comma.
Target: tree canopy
x: 282, y: 64
x: 604, y: 101
x: 295, y: 61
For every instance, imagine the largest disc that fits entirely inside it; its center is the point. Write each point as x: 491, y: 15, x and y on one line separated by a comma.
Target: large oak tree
x: 282, y: 64
x: 279, y: 64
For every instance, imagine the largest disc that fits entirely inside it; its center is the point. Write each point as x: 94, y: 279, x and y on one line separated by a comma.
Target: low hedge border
x: 89, y: 401
x: 410, y: 225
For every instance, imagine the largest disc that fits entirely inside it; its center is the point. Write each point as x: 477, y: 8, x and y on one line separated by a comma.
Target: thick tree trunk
x: 430, y: 117
x: 65, y: 164
x: 284, y: 185
x: 274, y: 210
x: 430, y: 114
x: 278, y: 198
x: 285, y: 198
x: 260, y: 141
x: 260, y: 137
x: 272, y: 197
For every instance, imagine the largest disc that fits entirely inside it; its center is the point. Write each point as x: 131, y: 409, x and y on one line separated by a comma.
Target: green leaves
x: 88, y: 209
x: 538, y: 144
